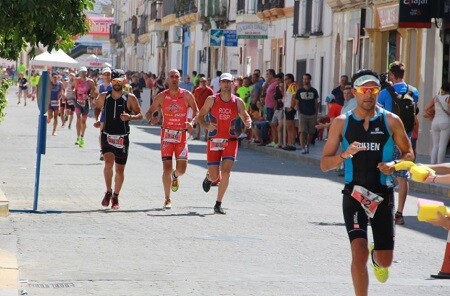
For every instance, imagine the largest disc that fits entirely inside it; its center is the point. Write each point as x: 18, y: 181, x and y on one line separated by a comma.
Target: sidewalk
x: 315, y: 153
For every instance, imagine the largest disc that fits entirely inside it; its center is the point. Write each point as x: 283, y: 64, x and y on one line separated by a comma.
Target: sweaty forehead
x: 174, y: 72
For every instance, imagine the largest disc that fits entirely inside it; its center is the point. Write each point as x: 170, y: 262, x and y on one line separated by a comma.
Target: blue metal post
x: 42, y: 134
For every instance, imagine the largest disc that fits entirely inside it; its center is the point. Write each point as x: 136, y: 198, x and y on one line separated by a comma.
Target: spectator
x: 187, y: 84
x: 269, y: 98
x: 396, y: 74
x: 195, y: 78
x: 334, y: 110
x: 215, y: 83
x: 135, y: 87
x: 350, y: 101
x: 276, y: 124
x: 338, y: 92
x: 200, y: 94
x: 244, y: 91
x: 289, y: 111
x: 308, y: 105
x: 440, y: 125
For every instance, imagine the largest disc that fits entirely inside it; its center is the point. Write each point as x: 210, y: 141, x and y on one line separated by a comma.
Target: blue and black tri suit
x: 362, y: 170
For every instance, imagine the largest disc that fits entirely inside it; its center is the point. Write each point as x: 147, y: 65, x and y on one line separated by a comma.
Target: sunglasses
x: 116, y: 82
x: 364, y: 89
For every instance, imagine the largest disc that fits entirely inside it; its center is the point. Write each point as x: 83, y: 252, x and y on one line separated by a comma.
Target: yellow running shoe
x: 175, y: 182
x: 381, y: 273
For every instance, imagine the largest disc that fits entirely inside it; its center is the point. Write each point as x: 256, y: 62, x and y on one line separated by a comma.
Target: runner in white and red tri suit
x: 223, y: 109
x: 174, y: 103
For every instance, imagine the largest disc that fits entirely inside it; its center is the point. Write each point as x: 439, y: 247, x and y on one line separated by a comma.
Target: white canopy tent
x: 57, y: 58
x: 93, y: 61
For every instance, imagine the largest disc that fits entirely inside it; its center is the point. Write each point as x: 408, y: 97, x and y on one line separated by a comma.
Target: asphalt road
x: 283, y: 233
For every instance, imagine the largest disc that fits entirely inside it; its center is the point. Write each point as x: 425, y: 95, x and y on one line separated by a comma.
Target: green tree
x: 47, y: 22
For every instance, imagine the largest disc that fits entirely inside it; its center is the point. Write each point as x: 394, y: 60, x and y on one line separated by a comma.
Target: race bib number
x: 172, y: 136
x: 369, y: 201
x: 82, y: 103
x: 117, y: 141
x: 218, y: 144
x: 54, y: 103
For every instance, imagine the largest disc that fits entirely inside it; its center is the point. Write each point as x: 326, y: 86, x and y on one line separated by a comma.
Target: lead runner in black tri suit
x: 120, y: 108
x: 367, y: 135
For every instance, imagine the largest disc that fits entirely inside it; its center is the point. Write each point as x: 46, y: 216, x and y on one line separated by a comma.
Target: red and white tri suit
x: 173, y: 130
x: 222, y: 143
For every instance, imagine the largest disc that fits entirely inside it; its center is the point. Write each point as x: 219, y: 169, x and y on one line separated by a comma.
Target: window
x: 308, y: 18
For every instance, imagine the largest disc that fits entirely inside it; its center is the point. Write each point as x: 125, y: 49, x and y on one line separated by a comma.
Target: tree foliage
x: 47, y: 22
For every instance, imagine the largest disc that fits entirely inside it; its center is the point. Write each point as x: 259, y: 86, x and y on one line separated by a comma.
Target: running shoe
x: 81, y: 143
x: 219, y: 210
x: 175, y: 182
x: 106, y: 199
x: 206, y: 184
x: 271, y: 144
x: 77, y: 142
x: 115, y: 203
x: 399, y: 220
x: 381, y: 273
x: 167, y: 204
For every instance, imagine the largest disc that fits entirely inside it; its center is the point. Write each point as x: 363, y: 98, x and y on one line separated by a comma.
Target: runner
x: 23, y: 89
x: 174, y: 103
x: 118, y: 108
x: 104, y: 87
x: 70, y: 98
x: 54, y: 104
x: 367, y: 135
x: 84, y: 88
x: 223, y: 109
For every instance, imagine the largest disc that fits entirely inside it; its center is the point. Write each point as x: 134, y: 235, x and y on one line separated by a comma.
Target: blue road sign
x: 230, y: 37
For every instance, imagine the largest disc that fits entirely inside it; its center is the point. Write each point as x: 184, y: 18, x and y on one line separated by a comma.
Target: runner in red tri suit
x: 222, y: 109
x: 174, y: 103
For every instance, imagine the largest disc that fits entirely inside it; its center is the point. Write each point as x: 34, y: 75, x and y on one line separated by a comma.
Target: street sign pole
x: 42, y: 134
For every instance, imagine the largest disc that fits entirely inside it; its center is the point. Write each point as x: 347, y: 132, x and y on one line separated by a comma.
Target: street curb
x: 9, y: 269
x: 4, y: 205
x: 436, y: 189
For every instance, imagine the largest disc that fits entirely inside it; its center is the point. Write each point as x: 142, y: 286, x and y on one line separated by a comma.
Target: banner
x: 417, y: 13
x: 252, y: 31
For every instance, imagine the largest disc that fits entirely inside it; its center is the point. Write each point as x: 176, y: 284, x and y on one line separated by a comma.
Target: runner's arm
x: 401, y: 140
x: 244, y: 114
x: 204, y: 111
x: 135, y: 108
x: 157, y: 101
x: 100, y: 102
x: 330, y: 159
x: 193, y: 104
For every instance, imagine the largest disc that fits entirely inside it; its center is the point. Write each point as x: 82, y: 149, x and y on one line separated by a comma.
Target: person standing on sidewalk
x: 307, y: 104
x: 223, y: 109
x: 84, y: 89
x: 396, y: 74
x: 23, y: 89
x: 174, y: 103
x: 119, y: 109
x: 367, y: 136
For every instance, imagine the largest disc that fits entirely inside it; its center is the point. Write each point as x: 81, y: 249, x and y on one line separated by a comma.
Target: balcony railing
x: 247, y: 6
x: 156, y: 10
x: 269, y: 4
x: 169, y: 7
x: 217, y: 8
x: 185, y: 7
x: 143, y: 19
